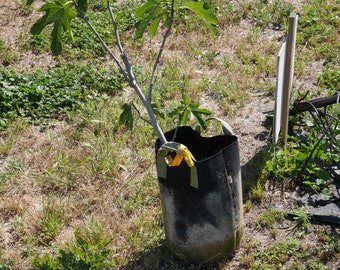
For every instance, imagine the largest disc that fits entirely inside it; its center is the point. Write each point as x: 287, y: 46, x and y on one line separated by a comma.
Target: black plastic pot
x: 205, y: 222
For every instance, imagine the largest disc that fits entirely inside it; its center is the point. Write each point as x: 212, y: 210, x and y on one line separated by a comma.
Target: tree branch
x: 82, y: 16
x: 132, y: 79
x: 161, y: 51
x: 115, y: 27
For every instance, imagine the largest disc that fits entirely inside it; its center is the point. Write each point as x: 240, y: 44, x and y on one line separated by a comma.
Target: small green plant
x: 320, y: 23
x: 277, y: 255
x: 67, y: 161
x: 247, y: 261
x: 89, y: 251
x: 53, y: 218
x: 248, y: 206
x: 290, y: 254
x: 269, y: 218
x: 276, y: 13
x: 232, y: 15
x: 188, y: 109
x: 6, y: 145
x: 315, y: 265
x: 12, y: 169
x: 4, y: 263
x: 7, y: 55
x: 24, y: 7
x: 281, y: 165
x: 39, y: 97
x: 312, y: 150
x: 330, y: 79
x: 302, y: 219
x: 257, y: 192
x: 36, y: 44
x: 47, y: 262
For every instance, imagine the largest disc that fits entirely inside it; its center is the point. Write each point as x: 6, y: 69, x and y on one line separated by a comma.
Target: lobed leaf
x: 126, y: 117
x: 60, y: 14
x: 142, y: 25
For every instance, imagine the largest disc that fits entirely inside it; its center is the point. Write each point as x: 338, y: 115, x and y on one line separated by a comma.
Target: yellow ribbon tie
x: 181, y: 152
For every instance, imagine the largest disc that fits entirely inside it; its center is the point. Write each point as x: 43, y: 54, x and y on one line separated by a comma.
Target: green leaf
x: 153, y: 27
x: 126, y: 117
x: 29, y: 2
x: 150, y: 15
x: 197, y: 112
x: 39, y: 26
x: 142, y: 25
x: 200, y: 120
x: 186, y: 100
x: 186, y: 117
x: 157, y: 112
x: 60, y: 14
x: 213, y: 29
x: 174, y: 112
x: 205, y: 12
x: 202, y: 10
x: 201, y: 111
x: 56, y: 46
x: 146, y: 8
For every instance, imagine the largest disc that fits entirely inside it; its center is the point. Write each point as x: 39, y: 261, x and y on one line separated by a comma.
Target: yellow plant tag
x: 189, y: 158
x: 182, y: 152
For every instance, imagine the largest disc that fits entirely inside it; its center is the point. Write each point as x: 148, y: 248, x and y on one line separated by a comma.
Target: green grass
x: 83, y: 193
x: 290, y: 254
x: 7, y: 54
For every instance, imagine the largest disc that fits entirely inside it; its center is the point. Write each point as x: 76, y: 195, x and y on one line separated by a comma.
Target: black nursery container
x: 202, y: 205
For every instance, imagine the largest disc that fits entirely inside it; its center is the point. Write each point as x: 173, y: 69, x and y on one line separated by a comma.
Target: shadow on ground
x: 161, y: 258
x: 252, y: 170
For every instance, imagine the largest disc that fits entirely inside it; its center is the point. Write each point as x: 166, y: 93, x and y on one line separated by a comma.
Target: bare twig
x: 178, y: 125
x: 82, y: 16
x: 130, y: 77
x: 140, y: 115
x: 151, y: 113
x: 128, y: 66
x: 167, y: 33
x: 115, y: 27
